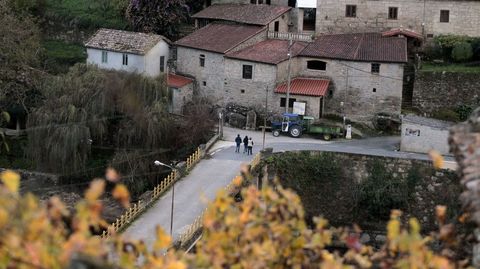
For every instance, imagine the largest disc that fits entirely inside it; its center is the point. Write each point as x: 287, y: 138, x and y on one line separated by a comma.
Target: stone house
x: 427, y: 17
x: 422, y: 135
x: 201, y: 54
x: 274, y: 18
x: 365, y: 69
x: 128, y: 51
x: 356, y: 75
x: 180, y: 92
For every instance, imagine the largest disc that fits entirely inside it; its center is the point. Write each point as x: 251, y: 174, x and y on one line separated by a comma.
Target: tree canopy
x: 265, y: 230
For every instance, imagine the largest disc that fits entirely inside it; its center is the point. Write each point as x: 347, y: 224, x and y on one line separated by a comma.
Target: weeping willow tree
x: 89, y: 106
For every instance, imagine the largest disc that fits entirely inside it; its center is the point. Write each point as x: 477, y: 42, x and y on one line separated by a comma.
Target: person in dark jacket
x: 238, y: 141
x: 245, y: 144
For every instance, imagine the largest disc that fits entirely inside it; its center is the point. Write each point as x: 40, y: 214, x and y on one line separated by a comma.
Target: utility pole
x: 287, y: 101
x: 265, y: 117
x: 345, y: 100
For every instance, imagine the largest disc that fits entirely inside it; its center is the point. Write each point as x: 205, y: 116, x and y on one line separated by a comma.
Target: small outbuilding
x: 422, y: 135
x: 181, y: 92
x: 128, y: 51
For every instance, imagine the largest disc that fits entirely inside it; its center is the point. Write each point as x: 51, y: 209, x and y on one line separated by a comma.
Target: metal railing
x: 306, y: 37
x: 136, y: 209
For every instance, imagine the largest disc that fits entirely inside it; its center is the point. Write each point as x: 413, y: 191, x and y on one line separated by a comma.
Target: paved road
x: 206, y: 178
x: 212, y: 174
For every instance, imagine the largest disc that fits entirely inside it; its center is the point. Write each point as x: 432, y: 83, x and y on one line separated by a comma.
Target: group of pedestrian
x: 247, y: 144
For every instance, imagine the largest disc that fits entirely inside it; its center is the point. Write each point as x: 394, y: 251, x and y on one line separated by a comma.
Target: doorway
x: 276, y: 26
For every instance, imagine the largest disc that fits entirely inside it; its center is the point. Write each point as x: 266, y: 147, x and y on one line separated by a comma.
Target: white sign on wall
x: 307, y: 3
x: 299, y: 108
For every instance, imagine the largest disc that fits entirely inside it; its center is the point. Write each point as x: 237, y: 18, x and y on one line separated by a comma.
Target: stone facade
x: 445, y: 90
x: 367, y: 93
x: 179, y: 97
x: 423, y: 135
x: 210, y: 78
x: 361, y: 102
x: 421, y: 16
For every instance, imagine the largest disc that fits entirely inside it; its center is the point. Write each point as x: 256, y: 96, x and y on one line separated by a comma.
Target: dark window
x: 202, y: 60
x: 351, y: 11
x: 292, y: 3
x: 429, y: 35
x: 204, y: 83
x: 393, y: 13
x: 242, y: 91
x: 283, y: 101
x: 317, y: 65
x: 330, y: 93
x: 309, y: 18
x: 162, y: 64
x: 444, y: 15
x: 374, y: 90
x: 268, y: 2
x: 260, y: 2
x: 276, y: 26
x: 375, y: 68
x: 253, y: 1
x: 125, y: 59
x: 247, y: 71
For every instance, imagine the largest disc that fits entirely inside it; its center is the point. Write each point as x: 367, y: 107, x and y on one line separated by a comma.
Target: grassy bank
x: 458, y: 68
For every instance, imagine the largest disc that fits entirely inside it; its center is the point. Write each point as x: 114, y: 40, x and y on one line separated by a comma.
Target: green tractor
x: 295, y: 125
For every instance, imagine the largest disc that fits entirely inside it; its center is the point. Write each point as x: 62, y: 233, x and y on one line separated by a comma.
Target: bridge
x: 215, y: 172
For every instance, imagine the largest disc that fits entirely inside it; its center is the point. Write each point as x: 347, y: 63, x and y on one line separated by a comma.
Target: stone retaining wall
x: 445, y: 90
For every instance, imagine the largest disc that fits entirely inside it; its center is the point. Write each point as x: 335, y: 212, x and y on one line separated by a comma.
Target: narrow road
x: 210, y: 175
x: 191, y: 194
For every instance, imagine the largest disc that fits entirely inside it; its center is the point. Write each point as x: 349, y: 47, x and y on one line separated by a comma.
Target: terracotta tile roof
x: 219, y: 37
x: 305, y: 86
x: 124, y: 41
x: 248, y: 14
x: 270, y: 51
x: 402, y: 31
x: 177, y: 81
x: 369, y: 47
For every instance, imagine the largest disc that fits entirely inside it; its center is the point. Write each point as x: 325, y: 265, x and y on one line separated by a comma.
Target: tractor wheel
x: 295, y: 131
x: 327, y: 137
x: 276, y: 133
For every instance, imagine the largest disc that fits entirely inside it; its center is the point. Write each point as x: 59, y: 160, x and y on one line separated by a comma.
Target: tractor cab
x: 290, y: 123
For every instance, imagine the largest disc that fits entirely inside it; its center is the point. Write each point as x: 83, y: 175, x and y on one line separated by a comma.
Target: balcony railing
x: 306, y: 37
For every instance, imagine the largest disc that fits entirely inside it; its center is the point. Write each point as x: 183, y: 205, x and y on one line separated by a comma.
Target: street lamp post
x: 158, y: 163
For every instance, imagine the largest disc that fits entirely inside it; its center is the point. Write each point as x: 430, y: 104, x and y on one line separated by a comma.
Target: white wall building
x: 128, y: 51
x: 422, y: 135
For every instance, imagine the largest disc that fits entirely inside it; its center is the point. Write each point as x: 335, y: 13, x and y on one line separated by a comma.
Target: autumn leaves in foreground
x: 265, y: 230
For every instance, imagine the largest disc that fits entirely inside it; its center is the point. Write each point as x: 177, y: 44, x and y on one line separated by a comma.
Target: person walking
x: 250, y: 146
x: 245, y: 144
x: 238, y: 141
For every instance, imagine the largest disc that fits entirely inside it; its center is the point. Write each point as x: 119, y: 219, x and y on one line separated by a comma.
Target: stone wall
x: 445, y: 90
x: 366, y: 94
x: 329, y: 183
x: 372, y: 15
x: 180, y: 97
x: 212, y: 74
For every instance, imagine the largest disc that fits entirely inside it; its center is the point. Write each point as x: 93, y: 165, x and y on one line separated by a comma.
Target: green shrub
x: 446, y: 115
x: 381, y: 192
x: 433, y: 52
x: 462, y: 52
x: 464, y: 112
